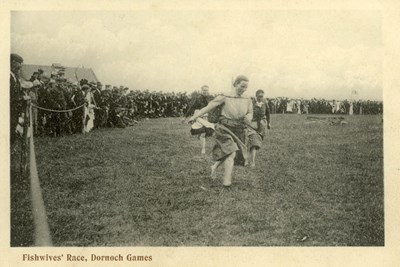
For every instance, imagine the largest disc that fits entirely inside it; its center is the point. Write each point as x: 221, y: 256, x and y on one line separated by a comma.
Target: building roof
x: 71, y: 74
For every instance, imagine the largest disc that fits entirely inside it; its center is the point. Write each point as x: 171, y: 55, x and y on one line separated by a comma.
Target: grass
x: 314, y: 185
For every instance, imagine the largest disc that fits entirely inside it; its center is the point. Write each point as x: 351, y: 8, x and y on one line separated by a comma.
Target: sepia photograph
x: 196, y: 128
x: 200, y: 133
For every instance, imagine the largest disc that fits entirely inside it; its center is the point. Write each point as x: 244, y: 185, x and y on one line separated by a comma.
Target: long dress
x: 289, y: 107
x: 261, y: 117
x: 89, y: 113
x: 230, y: 131
x: 351, y: 108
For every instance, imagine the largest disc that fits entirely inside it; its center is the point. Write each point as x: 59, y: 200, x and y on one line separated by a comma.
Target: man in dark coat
x: 78, y: 98
x: 57, y: 102
x: 17, y: 97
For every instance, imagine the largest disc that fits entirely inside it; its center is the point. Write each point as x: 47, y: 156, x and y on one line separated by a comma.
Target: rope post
x: 42, y: 232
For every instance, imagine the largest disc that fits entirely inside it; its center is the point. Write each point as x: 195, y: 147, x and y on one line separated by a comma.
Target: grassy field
x: 314, y: 185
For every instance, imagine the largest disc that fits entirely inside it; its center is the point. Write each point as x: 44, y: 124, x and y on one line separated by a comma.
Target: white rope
x: 42, y: 232
x: 54, y: 110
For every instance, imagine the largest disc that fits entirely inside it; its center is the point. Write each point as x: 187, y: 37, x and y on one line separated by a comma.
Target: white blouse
x: 235, y: 107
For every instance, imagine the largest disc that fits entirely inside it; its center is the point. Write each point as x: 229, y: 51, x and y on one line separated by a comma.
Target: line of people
x: 103, y: 107
x: 323, y: 106
x: 107, y: 106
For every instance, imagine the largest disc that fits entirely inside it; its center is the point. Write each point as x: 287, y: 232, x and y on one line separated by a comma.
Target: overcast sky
x: 299, y: 53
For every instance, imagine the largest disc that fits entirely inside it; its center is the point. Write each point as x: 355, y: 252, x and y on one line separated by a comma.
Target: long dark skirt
x: 256, y: 135
x: 207, y: 131
x: 228, y: 140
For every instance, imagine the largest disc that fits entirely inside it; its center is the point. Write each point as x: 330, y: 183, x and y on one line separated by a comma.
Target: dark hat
x: 16, y: 58
x: 83, y: 81
x: 40, y: 71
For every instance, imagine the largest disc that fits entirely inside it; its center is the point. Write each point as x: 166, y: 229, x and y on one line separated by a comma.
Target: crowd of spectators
x: 120, y: 107
x: 113, y: 106
x: 322, y: 106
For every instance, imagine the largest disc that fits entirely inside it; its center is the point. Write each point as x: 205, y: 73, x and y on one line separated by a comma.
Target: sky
x: 293, y: 53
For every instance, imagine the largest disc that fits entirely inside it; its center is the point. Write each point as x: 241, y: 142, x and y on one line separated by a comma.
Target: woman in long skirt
x: 261, y: 119
x: 230, y: 131
x: 89, y: 110
x: 199, y: 102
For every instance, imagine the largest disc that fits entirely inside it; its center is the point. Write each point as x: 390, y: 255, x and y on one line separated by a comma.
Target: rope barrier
x: 60, y: 111
x: 42, y: 232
